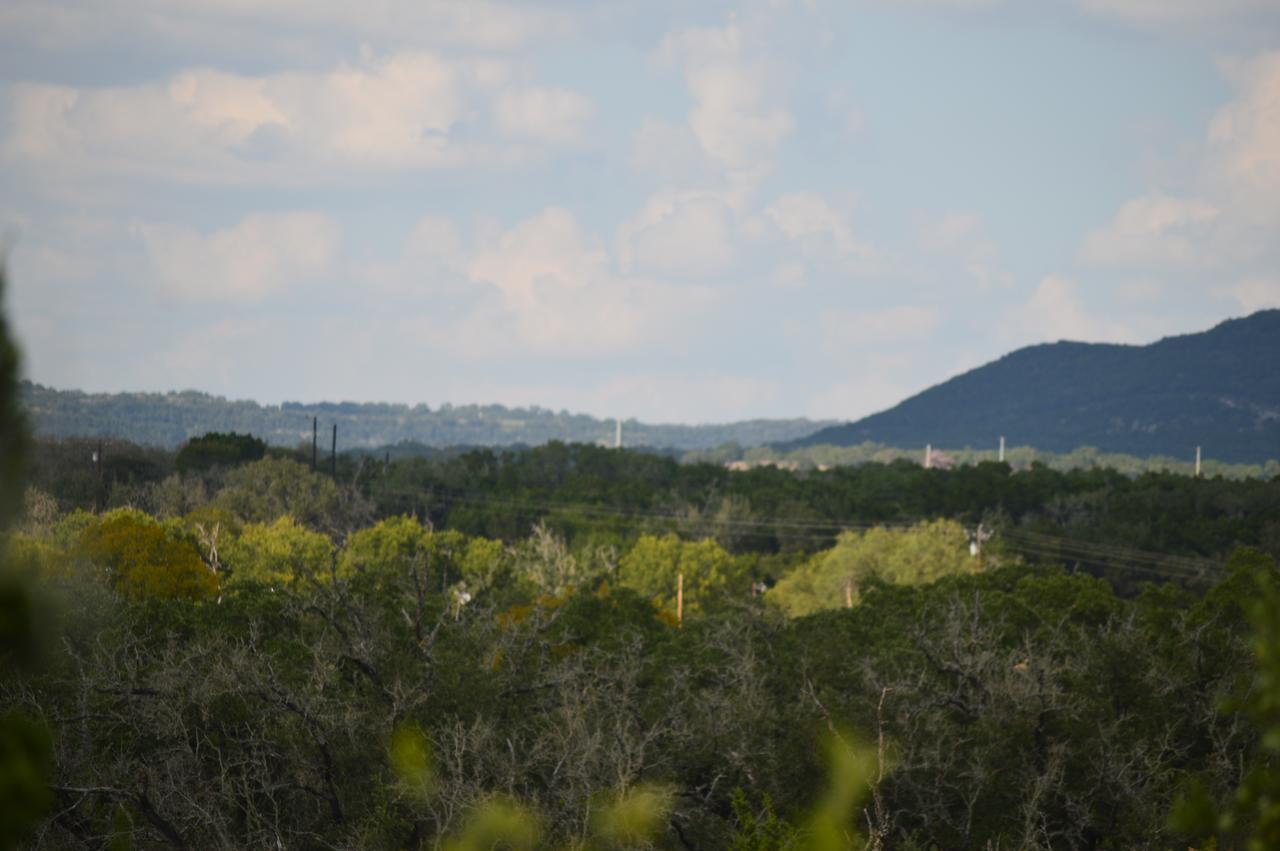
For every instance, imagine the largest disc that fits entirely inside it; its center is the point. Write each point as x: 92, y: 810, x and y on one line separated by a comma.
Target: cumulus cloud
x: 732, y: 116
x: 681, y: 233
x: 1155, y: 229
x: 550, y: 116
x: 405, y: 111
x: 816, y: 237
x: 1230, y: 222
x: 544, y: 286
x: 1244, y: 138
x: 260, y: 257
x: 1057, y: 311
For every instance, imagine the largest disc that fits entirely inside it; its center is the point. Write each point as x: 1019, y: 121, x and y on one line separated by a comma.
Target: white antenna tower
x: 1197, y: 462
x: 928, y: 456
x: 617, y: 434
x: 1002, y: 449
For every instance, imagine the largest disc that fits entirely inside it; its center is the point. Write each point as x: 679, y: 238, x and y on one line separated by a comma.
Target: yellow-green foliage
x: 652, y: 565
x: 852, y: 772
x: 281, y: 553
x: 498, y: 822
x: 143, y: 560
x: 400, y: 542
x: 632, y: 819
x: 410, y: 754
x: 914, y: 556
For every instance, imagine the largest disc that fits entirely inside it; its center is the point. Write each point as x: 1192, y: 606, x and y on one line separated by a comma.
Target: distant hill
x: 168, y: 419
x: 1219, y: 389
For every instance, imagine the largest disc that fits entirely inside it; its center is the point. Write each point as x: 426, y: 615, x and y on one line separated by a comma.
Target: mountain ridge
x: 1219, y: 389
x: 168, y: 419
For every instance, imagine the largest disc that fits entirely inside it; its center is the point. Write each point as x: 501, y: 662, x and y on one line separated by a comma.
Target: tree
x: 142, y: 560
x: 264, y: 490
x: 278, y: 554
x: 914, y: 556
x: 653, y: 567
x: 218, y: 449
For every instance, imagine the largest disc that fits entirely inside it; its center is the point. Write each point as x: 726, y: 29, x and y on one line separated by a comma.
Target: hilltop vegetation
x: 1218, y: 389
x: 169, y: 419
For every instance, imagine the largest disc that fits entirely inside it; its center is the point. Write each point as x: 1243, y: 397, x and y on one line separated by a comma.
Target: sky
x: 676, y: 211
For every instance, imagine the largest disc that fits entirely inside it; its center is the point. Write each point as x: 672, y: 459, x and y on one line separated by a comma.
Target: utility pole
x: 848, y: 593
x: 679, y: 599
x: 333, y: 454
x: 314, y: 426
x: 1002, y: 449
x: 1197, y: 462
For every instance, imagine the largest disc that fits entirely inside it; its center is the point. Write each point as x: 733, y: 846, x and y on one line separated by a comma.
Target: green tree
x: 282, y: 553
x: 218, y: 449
x: 652, y: 567
x: 914, y: 556
x: 264, y: 490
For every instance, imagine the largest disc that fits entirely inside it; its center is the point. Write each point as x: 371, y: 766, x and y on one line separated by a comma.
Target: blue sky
x: 674, y: 211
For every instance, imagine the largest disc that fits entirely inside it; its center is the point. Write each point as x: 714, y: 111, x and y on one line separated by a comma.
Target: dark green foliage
x: 169, y: 419
x: 1218, y: 389
x: 25, y: 749
x: 217, y: 449
x: 13, y: 422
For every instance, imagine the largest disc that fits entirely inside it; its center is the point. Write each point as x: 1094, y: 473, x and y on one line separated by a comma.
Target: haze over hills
x: 168, y: 419
x: 1218, y: 389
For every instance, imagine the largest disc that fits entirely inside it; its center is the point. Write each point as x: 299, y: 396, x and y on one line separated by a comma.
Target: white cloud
x: 263, y: 255
x: 550, y: 116
x: 816, y: 237
x: 681, y: 233
x: 405, y: 111
x: 558, y: 291
x: 817, y: 227
x: 1153, y: 230
x: 1244, y: 139
x: 732, y: 116
x: 1256, y: 294
x: 1056, y: 311
x: 1231, y: 223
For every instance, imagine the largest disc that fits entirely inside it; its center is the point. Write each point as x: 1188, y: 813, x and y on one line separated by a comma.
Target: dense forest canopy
x: 271, y: 655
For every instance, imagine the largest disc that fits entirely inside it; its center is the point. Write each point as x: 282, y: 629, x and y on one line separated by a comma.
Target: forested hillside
x: 1219, y: 389
x: 168, y: 419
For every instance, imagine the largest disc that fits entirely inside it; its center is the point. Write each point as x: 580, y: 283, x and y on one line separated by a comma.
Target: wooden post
x: 333, y: 457
x: 315, y: 425
x: 848, y: 593
x: 679, y: 599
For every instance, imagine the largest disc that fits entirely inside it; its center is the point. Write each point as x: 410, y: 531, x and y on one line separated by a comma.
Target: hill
x: 1219, y: 389
x: 168, y: 419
